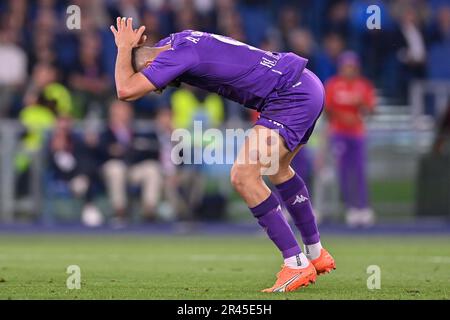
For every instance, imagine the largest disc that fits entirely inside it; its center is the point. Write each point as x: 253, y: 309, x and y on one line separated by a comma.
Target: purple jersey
x: 232, y: 69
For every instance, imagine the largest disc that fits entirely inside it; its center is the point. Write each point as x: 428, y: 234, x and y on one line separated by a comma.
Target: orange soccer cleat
x: 289, y: 279
x: 324, y: 263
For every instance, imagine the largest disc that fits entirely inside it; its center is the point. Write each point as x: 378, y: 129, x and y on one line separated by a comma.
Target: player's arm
x: 129, y: 84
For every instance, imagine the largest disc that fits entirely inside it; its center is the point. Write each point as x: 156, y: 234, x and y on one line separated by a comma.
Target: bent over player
x: 289, y: 98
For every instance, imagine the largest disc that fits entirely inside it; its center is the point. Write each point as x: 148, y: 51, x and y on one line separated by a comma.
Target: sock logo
x: 299, y: 199
x: 299, y: 261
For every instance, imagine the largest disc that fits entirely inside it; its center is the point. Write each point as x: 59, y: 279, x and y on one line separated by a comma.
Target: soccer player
x: 290, y: 99
x: 349, y: 97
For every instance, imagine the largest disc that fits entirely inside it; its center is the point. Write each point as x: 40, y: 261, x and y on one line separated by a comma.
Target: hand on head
x: 126, y: 36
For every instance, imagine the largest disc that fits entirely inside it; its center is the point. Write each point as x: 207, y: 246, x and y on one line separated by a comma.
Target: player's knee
x: 236, y: 177
x: 283, y: 174
x: 241, y: 177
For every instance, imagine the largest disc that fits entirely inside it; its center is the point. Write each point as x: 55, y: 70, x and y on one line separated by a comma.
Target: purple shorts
x: 294, y: 110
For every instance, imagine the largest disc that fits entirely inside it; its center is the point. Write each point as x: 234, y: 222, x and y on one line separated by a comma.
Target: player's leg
x: 295, y: 111
x: 246, y: 177
x: 367, y: 216
x: 342, y: 147
x: 295, y: 196
x: 247, y: 180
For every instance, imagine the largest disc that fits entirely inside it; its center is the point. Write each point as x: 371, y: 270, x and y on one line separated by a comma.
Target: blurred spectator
x: 349, y: 97
x: 326, y: 58
x: 36, y: 119
x: 174, y: 203
x: 376, y: 47
x: 151, y: 21
x: 85, y: 59
x: 126, y: 8
x: 45, y: 81
x: 189, y: 106
x: 441, y: 144
x: 411, y: 54
x: 13, y: 69
x: 441, y: 29
x: 288, y: 20
x: 73, y: 162
x: 301, y: 42
x: 131, y: 157
x: 186, y: 18
x: 88, y: 78
x: 55, y: 72
x: 440, y: 46
x: 42, y: 40
x: 196, y: 104
x: 338, y: 18
x: 229, y: 22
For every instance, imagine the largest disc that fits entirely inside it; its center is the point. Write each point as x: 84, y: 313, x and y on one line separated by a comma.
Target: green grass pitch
x: 213, y: 267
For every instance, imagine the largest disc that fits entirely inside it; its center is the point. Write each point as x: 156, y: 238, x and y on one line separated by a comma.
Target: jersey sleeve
x: 169, y: 65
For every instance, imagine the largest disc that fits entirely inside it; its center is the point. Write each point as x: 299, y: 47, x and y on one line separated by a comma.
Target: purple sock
x: 271, y: 218
x: 296, y: 199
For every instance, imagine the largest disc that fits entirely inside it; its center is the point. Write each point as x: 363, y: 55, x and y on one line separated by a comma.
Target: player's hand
x: 142, y: 41
x: 124, y: 34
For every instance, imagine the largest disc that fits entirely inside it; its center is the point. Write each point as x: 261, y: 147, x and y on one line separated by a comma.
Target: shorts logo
x: 299, y: 199
x: 276, y: 123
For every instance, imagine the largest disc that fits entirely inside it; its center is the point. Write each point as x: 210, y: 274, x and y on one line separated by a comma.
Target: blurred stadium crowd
x: 50, y: 77
x: 37, y: 49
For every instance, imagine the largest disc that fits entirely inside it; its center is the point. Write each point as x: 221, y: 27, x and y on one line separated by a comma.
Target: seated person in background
x: 45, y: 80
x: 36, y: 119
x: 44, y: 100
x: 132, y: 157
x: 70, y: 160
x: 441, y: 143
x: 183, y: 185
x: 13, y: 73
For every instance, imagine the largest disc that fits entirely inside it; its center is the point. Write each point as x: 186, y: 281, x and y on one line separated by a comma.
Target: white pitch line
x: 439, y: 259
x: 215, y: 257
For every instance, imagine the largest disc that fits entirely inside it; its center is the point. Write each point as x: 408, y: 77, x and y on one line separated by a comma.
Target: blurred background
x: 71, y: 154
